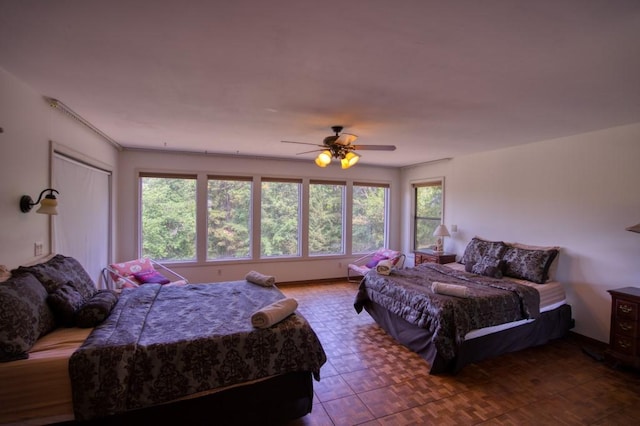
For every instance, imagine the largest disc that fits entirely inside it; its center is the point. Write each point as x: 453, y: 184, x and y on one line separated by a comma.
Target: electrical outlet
x: 38, y: 248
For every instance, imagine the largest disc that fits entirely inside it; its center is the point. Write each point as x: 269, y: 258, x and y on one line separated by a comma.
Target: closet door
x: 82, y: 228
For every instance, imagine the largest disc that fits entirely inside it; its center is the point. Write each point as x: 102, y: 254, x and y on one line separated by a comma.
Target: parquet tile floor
x: 369, y: 379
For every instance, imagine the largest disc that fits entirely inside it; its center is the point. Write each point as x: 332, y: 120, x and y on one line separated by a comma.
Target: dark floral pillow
x: 478, y: 248
x: 488, y: 266
x: 24, y: 316
x: 96, y: 309
x: 64, y: 303
x: 59, y: 270
x: 530, y: 265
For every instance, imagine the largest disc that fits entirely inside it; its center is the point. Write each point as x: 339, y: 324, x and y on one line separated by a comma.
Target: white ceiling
x: 435, y: 78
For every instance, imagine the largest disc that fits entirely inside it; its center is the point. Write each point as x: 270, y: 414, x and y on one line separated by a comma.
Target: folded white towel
x: 384, y: 267
x: 450, y: 289
x: 260, y: 279
x: 274, y: 313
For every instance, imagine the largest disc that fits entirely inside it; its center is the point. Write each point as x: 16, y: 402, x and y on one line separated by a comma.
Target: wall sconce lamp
x: 441, y: 232
x: 47, y: 206
x: 634, y: 228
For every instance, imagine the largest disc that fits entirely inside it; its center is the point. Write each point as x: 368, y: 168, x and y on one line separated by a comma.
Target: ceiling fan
x: 339, y: 146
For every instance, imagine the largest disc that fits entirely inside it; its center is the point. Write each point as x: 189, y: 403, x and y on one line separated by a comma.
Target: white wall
x: 29, y: 125
x: 578, y: 192
x: 132, y: 162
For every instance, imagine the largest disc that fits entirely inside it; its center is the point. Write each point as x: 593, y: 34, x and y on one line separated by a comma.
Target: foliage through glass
x: 169, y: 217
x: 229, y: 219
x: 326, y: 213
x: 428, y: 213
x: 280, y: 219
x: 368, y: 220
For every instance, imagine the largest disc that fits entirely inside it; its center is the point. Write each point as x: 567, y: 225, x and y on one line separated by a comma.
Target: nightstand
x: 624, y: 337
x: 431, y: 256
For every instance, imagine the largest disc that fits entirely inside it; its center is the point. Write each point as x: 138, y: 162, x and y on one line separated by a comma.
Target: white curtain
x: 82, y: 228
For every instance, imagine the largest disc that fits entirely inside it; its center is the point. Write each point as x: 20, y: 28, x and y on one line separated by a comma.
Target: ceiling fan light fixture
x: 323, y: 159
x: 349, y: 160
x: 340, y: 147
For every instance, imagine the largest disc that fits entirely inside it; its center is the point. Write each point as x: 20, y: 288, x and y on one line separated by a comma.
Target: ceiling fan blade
x: 375, y: 147
x: 301, y: 143
x: 306, y: 152
x: 346, y: 139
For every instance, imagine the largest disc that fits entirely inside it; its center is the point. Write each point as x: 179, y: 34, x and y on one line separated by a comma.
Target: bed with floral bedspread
x: 162, y: 343
x: 493, y: 297
x: 407, y: 293
x: 179, y: 354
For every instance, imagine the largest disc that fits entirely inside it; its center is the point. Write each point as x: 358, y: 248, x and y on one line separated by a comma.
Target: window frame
x: 386, y: 212
x: 301, y: 215
x: 249, y: 180
x: 140, y: 244
x: 202, y: 178
x: 414, y: 200
x: 344, y: 218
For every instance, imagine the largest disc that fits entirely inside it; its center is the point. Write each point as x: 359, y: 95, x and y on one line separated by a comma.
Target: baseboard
x: 587, y: 341
x: 317, y: 281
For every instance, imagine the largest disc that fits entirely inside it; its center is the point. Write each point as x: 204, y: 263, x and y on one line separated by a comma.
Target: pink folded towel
x: 450, y: 289
x: 274, y: 313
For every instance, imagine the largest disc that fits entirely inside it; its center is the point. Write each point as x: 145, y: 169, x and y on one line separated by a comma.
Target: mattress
x: 552, y: 296
x: 38, y: 388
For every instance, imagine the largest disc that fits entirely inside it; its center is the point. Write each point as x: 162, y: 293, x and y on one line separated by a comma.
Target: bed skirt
x: 550, y: 325
x: 272, y: 401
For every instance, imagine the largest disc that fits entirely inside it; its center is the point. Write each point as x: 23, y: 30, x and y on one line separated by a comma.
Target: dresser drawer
x: 624, y: 344
x: 625, y: 327
x: 626, y: 309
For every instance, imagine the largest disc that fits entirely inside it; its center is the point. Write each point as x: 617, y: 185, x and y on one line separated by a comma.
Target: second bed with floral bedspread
x: 407, y: 293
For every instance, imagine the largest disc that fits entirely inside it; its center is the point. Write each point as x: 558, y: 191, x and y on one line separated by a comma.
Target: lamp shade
x: 320, y: 163
x: 349, y: 160
x: 441, y: 231
x: 323, y: 159
x: 48, y: 205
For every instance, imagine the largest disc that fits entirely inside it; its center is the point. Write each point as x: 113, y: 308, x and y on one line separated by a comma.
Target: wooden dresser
x: 624, y: 337
x: 432, y: 256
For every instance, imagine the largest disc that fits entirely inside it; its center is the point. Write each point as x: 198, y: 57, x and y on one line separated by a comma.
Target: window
x: 229, y: 218
x: 168, y: 217
x: 326, y: 218
x: 368, y: 218
x: 428, y: 213
x: 280, y: 218
x: 189, y: 217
